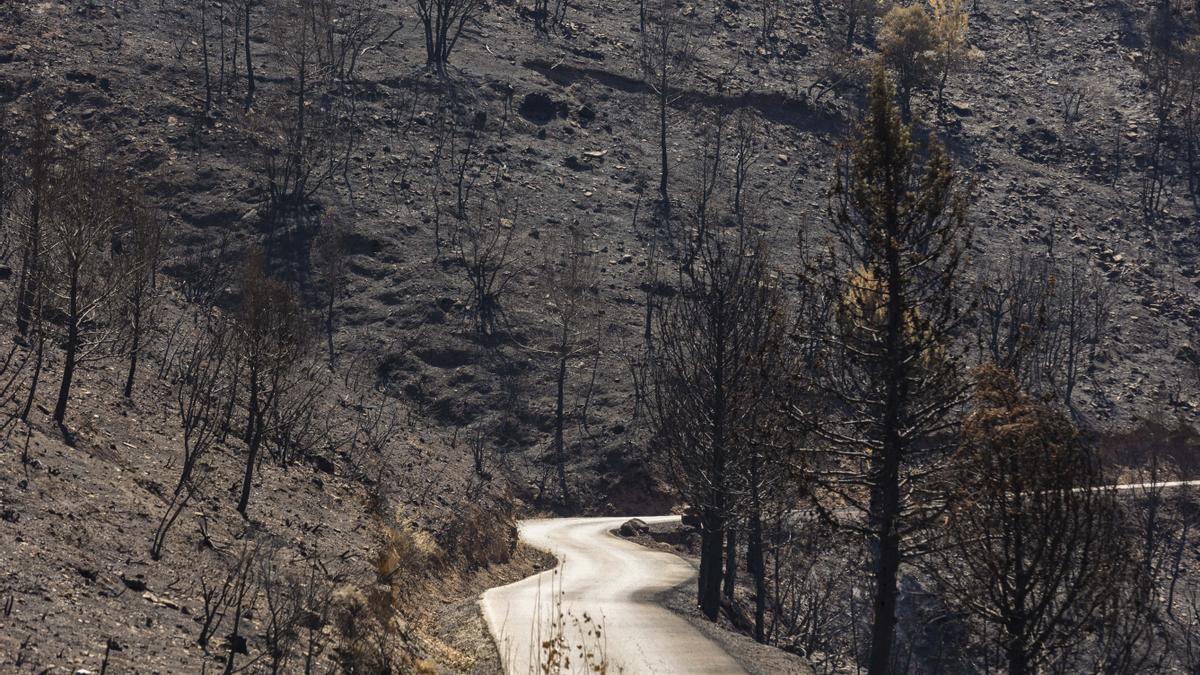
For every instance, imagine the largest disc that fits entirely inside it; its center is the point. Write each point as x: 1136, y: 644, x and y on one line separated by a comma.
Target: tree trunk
x: 204, y: 50
x: 941, y: 93
x: 754, y: 560
x: 29, y: 266
x: 712, y: 546
x: 730, y: 562
x: 329, y: 325
x: 297, y: 190
x: 227, y: 425
x: 251, y: 405
x: 887, y: 565
x: 663, y: 184
x: 135, y: 348
x: 36, y: 378
x: 249, y: 59
x: 72, y: 353
x: 885, y: 492
x: 1018, y: 659
x: 248, y: 478
x: 560, y: 455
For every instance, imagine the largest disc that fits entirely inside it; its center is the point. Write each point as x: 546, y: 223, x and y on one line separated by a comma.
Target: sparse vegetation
x: 309, y: 302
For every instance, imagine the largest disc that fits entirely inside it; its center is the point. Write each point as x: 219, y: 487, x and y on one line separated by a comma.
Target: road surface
x: 606, y: 581
x: 614, y: 583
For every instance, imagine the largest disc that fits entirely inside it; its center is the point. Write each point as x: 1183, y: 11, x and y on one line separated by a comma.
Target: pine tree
x: 883, y: 360
x: 1031, y: 530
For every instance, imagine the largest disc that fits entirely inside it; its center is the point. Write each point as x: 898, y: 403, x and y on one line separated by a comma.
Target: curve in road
x: 602, y: 580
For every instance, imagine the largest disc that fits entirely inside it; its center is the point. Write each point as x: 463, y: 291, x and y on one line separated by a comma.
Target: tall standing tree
x: 37, y: 164
x: 951, y: 22
x: 247, y: 16
x: 1164, y: 82
x: 483, y: 248
x: 707, y: 389
x: 884, y: 365
x: 665, y: 53
x: 268, y: 337
x: 1032, y: 530
x: 908, y: 43
x: 200, y: 378
x: 84, y: 277
x: 330, y: 260
x: 570, y: 282
x: 140, y: 258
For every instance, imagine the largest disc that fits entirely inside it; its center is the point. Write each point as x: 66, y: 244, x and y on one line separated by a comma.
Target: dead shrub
x: 369, y: 637
x: 480, y: 535
x: 405, y: 554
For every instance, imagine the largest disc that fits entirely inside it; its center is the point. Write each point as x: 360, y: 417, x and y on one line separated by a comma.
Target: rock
x: 135, y: 584
x: 575, y: 164
x: 691, y: 518
x: 164, y: 602
x: 962, y: 109
x: 633, y: 527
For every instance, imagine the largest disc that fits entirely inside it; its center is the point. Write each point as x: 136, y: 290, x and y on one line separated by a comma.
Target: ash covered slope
x: 568, y: 122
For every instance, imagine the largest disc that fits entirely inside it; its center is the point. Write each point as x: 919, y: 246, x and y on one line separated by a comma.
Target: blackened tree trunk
x: 72, y: 351
x: 36, y: 377
x: 204, y: 51
x: 248, y: 477
x: 712, y: 545
x: 30, y: 260
x: 731, y: 560
x: 39, y: 163
x: 664, y: 190
x: 330, y: 304
x: 249, y: 8
x: 254, y: 435
x: 756, y: 563
x: 135, y: 347
x: 560, y: 451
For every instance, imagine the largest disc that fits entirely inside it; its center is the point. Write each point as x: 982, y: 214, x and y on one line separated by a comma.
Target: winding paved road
x: 614, y: 582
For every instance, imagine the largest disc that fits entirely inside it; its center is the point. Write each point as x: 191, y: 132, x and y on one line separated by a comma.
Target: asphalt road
x: 602, y: 581
x: 607, y: 583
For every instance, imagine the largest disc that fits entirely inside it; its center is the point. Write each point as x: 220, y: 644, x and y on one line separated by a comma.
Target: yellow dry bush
x: 406, y: 552
x: 924, y: 47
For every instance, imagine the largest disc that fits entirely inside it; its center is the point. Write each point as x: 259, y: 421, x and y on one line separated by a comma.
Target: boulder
x: 633, y: 527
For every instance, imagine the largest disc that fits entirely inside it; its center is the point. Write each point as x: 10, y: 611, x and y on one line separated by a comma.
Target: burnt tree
x: 707, y: 386
x: 885, y: 372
